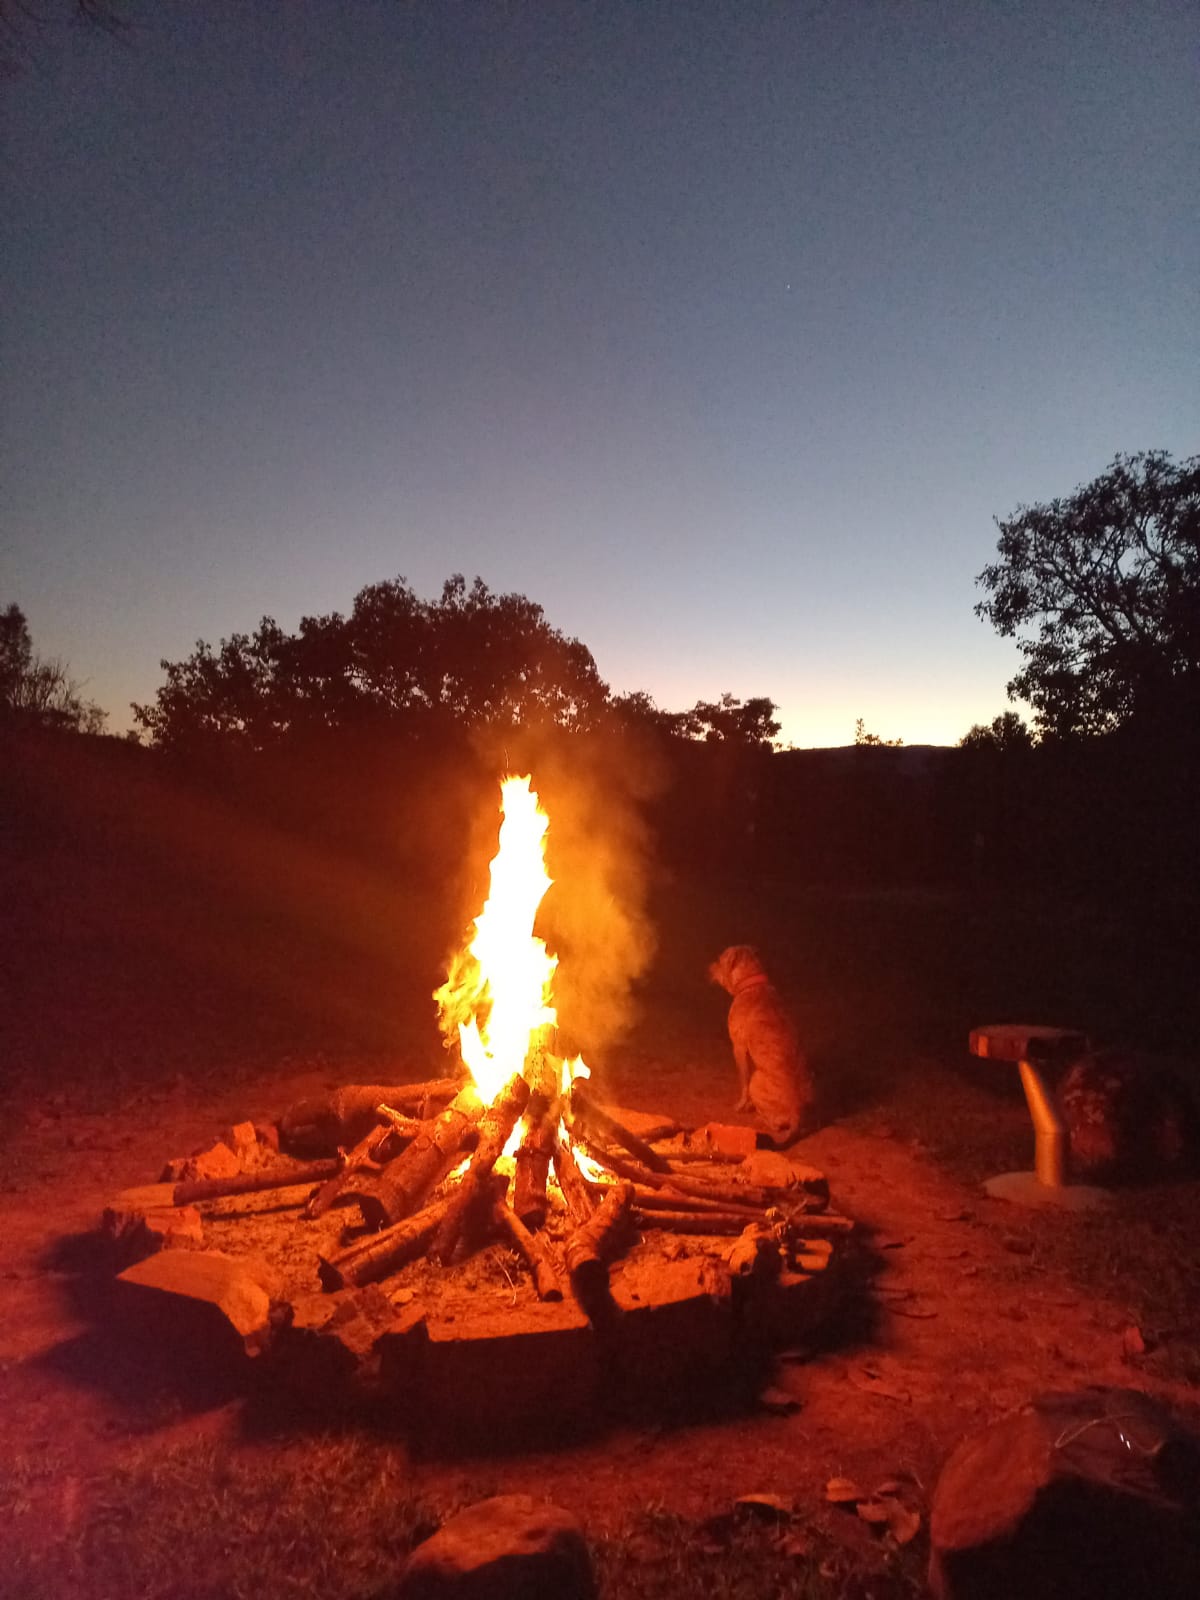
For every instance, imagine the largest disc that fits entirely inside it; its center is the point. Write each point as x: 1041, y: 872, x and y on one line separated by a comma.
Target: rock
x: 725, y: 1139
x: 1075, y: 1497
x: 772, y: 1170
x: 507, y: 1548
x: 139, y: 1230
x: 649, y: 1126
x: 332, y: 1338
x: 675, y: 1328
x: 267, y: 1134
x: 218, y: 1161
x: 242, y: 1140
x: 212, y: 1302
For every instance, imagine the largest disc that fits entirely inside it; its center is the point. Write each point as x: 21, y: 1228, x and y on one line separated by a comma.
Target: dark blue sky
x: 720, y: 329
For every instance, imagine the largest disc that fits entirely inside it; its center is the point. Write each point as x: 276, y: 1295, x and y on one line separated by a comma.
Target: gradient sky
x: 722, y: 330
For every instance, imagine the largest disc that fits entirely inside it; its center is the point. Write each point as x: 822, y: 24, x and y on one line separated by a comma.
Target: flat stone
x: 1025, y: 1041
x: 675, y: 1322
x: 197, y: 1296
x: 138, y: 1231
x: 1076, y: 1497
x: 534, y: 1363
x: 508, y: 1548
x: 773, y: 1170
x: 332, y: 1339
x: 792, y: 1306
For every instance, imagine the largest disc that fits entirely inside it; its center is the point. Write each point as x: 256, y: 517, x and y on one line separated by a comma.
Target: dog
x: 773, y: 1074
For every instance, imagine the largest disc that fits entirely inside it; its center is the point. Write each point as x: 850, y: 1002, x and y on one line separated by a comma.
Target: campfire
x: 402, y: 1189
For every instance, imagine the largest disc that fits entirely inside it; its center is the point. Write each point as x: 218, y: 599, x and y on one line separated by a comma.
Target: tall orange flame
x: 498, y: 995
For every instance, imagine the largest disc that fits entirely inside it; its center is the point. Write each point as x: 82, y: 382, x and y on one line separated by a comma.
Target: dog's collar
x: 751, y: 983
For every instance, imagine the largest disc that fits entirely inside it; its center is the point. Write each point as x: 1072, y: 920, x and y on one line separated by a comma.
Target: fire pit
x: 502, y: 1229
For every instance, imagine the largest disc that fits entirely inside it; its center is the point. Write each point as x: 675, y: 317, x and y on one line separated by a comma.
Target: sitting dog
x: 772, y: 1070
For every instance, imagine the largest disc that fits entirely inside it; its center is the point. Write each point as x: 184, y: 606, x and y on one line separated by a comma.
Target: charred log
x: 184, y: 1194
x: 605, y: 1126
x: 339, y: 1120
x: 404, y: 1183
x: 592, y: 1246
x: 371, y: 1151
x: 533, y: 1167
x: 473, y: 1191
x: 383, y: 1253
x: 533, y: 1249
x: 577, y: 1194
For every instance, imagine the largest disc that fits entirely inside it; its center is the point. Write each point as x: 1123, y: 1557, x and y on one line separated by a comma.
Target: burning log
x: 339, y: 1120
x: 404, y: 1182
x: 495, y: 1127
x: 590, y: 1247
x: 571, y: 1181
x: 368, y: 1154
x: 407, y: 1127
x: 383, y: 1253
x: 607, y: 1127
x: 545, y: 1279
x: 533, y: 1167
x: 184, y: 1194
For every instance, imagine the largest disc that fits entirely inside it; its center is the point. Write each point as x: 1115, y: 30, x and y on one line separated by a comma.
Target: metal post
x: 1049, y: 1135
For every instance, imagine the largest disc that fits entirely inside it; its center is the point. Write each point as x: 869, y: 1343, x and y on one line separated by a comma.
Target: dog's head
x: 735, y: 967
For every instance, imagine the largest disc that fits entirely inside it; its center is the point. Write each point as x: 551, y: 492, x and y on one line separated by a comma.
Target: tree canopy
x: 1109, y: 580
x: 35, y: 692
x: 470, y: 657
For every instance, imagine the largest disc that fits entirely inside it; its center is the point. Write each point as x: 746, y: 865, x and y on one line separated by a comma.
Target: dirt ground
x: 961, y: 1317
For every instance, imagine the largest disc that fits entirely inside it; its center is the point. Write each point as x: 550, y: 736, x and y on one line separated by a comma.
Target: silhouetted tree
x: 467, y: 659
x: 26, y: 24
x: 1110, y: 580
x: 35, y: 692
x: 1004, y: 733
x: 730, y: 720
x: 862, y: 737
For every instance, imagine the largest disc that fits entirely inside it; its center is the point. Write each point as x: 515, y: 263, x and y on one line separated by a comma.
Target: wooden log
x: 533, y: 1166
x: 589, y: 1249
x: 577, y: 1194
x: 601, y: 1123
x: 671, y: 1199
x: 379, y: 1255
x: 472, y: 1191
x: 368, y: 1154
x: 537, y: 1259
x: 335, y: 1121
x: 731, y: 1194
x: 404, y: 1183
x: 715, y: 1222
x: 185, y: 1194
x: 407, y: 1127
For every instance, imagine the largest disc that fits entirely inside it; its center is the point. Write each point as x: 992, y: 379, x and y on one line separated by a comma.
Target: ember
x: 513, y: 1167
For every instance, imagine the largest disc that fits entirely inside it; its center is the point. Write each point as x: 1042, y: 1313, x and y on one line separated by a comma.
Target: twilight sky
x: 721, y: 328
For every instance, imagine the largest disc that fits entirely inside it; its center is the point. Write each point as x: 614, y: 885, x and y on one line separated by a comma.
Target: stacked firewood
x: 419, y: 1165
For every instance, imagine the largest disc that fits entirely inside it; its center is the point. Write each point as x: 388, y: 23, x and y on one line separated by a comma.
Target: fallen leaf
x: 843, y: 1492
x: 955, y: 1216
x: 920, y: 1312
x: 1132, y: 1342
x: 779, y: 1402
x: 765, y: 1504
x: 870, y: 1383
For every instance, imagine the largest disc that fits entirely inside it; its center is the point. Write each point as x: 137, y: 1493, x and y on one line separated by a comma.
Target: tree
x: 862, y: 737
x: 469, y: 659
x: 25, y: 23
x: 38, y: 693
x: 730, y: 720
x: 1006, y: 733
x: 1110, y: 580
